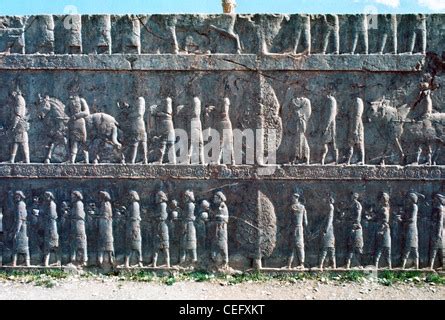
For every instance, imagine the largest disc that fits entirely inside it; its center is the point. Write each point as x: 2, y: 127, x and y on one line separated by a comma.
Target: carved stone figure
x: 162, y: 241
x: 189, y: 239
x: 90, y: 132
x: 331, y: 33
x: 196, y: 153
x: 437, y: 236
x: 329, y: 132
x: 383, y: 237
x: 387, y: 24
x: 418, y: 37
x: 299, y: 110
x: 175, y: 228
x: 162, y: 131
x: 202, y: 226
x: 20, y: 245
x: 78, y: 231
x: 39, y: 35
x: 356, y: 137
x: 136, y: 132
x: 133, y: 230
x: 20, y: 126
x: 355, y: 238
x: 390, y: 128
x: 328, y: 236
x: 105, y: 229
x: 51, y: 234
x: 77, y: 130
x: 229, y: 6
x: 74, y: 36
x: 298, y: 223
x: 223, y: 125
x: 218, y: 229
x: 52, y: 111
x: 359, y: 27
x: 410, y: 231
x: 302, y: 33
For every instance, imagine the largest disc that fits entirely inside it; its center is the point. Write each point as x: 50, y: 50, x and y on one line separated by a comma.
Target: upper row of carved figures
x: 207, y: 34
x: 209, y: 137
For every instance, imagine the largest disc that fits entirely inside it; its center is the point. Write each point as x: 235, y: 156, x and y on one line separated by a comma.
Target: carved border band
x: 192, y: 172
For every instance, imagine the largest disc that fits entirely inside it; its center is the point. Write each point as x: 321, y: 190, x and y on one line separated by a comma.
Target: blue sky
x: 23, y: 7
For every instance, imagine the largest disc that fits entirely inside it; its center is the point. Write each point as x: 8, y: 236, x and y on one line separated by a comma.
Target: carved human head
x: 384, y: 197
x: 296, y: 197
x: 48, y: 196
x: 355, y: 195
x: 104, y: 196
x: 229, y: 6
x: 76, y: 196
x: 413, y: 197
x: 205, y: 205
x: 134, y: 196
x: 161, y: 197
x: 19, y: 196
x: 439, y: 199
x: 189, y: 196
x: 219, y: 197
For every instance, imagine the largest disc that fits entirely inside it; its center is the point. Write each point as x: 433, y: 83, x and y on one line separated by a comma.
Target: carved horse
x: 395, y: 124
x: 101, y: 128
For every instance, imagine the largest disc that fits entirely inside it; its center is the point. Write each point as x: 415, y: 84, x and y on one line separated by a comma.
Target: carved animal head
x: 44, y: 106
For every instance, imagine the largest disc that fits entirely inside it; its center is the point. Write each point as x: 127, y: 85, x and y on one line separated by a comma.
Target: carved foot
x: 47, y: 161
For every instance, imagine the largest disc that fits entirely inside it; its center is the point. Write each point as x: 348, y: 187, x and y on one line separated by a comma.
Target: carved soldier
x: 78, y: 232
x: 20, y: 126
x: 298, y: 222
x: 300, y: 111
x: 356, y: 136
x: 77, y: 131
x: 201, y: 225
x: 419, y: 35
x: 20, y: 245
x: 328, y: 236
x: 383, y: 238
x: 331, y: 32
x: 162, y: 242
x: 224, y: 127
x: 175, y: 229
x: 355, y: 239
x: 410, y: 232
x: 105, y: 229
x: 302, y: 33
x: 359, y: 31
x: 196, y: 153
x: 387, y: 29
x: 51, y: 234
x: 73, y: 23
x: 163, y: 130
x: 437, y: 235
x: 219, y: 219
x: 189, y: 231
x: 137, y: 134
x: 329, y: 133
x: 133, y: 229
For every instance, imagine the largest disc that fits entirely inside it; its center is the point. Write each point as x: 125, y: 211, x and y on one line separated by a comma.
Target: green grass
x: 50, y: 278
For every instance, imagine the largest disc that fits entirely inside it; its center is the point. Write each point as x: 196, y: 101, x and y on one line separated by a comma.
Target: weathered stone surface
x: 93, y: 103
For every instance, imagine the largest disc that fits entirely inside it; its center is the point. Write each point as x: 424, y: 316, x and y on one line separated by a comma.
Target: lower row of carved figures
x: 214, y: 217
x: 157, y: 135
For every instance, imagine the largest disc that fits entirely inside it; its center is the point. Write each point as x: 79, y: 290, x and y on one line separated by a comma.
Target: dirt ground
x: 113, y: 288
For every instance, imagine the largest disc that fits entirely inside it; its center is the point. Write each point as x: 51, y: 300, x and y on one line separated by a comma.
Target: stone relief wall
x: 91, y: 114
